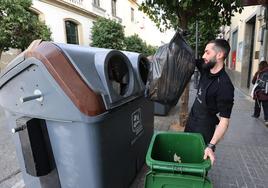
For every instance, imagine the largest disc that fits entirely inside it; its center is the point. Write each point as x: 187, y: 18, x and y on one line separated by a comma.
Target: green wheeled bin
x: 176, y: 160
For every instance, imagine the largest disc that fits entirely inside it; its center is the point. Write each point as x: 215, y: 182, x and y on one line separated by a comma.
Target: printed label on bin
x: 136, y: 121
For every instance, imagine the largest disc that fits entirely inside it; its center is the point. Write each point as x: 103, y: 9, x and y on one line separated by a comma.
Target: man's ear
x: 220, y: 55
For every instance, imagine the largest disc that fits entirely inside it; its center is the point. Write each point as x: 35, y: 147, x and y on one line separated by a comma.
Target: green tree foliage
x: 173, y: 13
x: 206, y: 33
x: 107, y: 33
x: 135, y: 44
x: 150, y: 50
x: 19, y: 26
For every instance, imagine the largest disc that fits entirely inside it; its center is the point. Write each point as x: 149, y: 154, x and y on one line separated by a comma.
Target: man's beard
x: 211, y: 63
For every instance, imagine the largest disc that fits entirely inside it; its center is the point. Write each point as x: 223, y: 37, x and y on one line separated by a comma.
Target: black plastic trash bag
x: 171, y: 69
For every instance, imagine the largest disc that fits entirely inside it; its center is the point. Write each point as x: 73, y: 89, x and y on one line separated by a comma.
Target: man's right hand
x: 209, y: 153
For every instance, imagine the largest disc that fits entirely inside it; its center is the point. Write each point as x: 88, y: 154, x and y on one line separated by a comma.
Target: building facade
x: 70, y: 21
x: 248, y: 41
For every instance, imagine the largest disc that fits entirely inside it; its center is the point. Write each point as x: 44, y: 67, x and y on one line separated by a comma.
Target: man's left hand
x: 209, y: 153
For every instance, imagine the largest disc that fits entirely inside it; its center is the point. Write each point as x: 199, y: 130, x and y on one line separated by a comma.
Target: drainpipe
x: 196, y: 74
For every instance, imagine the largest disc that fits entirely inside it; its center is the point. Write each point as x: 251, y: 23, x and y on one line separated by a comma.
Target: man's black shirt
x: 220, y: 93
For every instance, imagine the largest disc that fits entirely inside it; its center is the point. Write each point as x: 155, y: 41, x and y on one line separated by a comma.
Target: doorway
x: 248, y: 56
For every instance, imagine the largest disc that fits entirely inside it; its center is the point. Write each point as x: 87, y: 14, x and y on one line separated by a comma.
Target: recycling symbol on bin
x: 136, y: 121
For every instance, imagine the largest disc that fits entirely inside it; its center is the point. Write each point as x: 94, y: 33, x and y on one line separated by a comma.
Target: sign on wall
x: 234, y: 49
x: 233, y: 60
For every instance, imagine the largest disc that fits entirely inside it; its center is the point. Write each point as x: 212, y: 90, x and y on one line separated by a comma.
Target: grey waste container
x: 79, y: 116
x: 141, y: 67
x: 161, y: 109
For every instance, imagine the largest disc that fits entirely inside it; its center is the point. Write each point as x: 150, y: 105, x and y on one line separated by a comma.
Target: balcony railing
x: 75, y: 2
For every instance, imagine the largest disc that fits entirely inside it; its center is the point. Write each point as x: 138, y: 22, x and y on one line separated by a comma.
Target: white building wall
x: 238, y: 22
x: 246, y: 60
x: 54, y: 18
x: 143, y: 26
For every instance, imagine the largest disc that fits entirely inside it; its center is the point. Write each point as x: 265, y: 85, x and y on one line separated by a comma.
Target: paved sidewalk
x: 10, y: 173
x: 242, y: 156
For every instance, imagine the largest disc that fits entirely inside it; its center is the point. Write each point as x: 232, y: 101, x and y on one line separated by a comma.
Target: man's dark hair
x: 221, y: 45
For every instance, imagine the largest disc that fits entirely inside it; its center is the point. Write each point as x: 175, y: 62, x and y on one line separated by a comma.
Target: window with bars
x: 132, y: 14
x: 71, y: 32
x: 114, y: 7
x: 96, y: 2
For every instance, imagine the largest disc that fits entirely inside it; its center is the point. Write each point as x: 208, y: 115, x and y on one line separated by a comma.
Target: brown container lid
x: 59, y: 66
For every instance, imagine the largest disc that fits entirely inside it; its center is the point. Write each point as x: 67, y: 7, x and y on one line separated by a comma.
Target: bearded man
x: 214, y: 101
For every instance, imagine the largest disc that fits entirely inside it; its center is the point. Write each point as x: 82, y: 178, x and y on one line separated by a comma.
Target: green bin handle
x: 181, y: 169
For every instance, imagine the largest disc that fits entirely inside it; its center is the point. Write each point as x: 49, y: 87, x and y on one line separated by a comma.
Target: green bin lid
x: 169, y: 180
